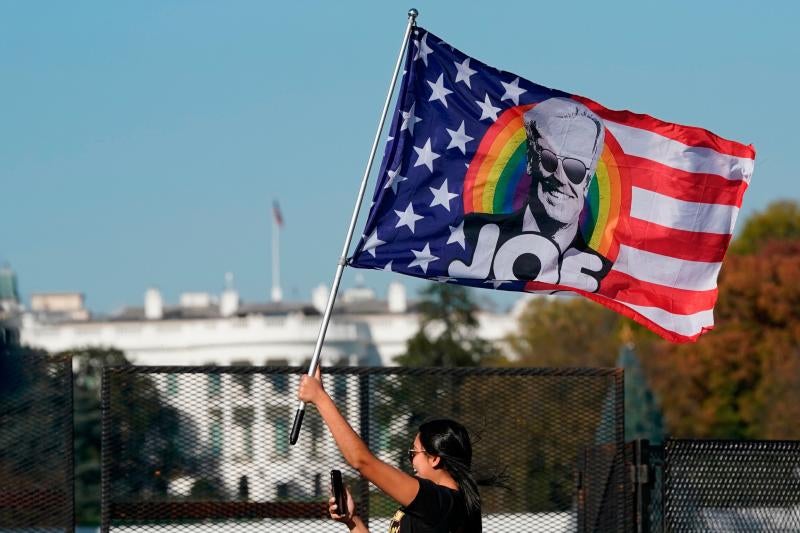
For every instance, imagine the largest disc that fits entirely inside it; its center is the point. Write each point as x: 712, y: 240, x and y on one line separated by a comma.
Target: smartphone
x: 337, y: 487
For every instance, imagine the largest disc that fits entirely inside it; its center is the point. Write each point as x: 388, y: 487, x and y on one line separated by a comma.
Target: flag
x: 490, y: 180
x: 277, y: 217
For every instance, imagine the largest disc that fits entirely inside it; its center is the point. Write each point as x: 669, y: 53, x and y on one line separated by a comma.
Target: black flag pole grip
x: 298, y: 421
x: 301, y: 408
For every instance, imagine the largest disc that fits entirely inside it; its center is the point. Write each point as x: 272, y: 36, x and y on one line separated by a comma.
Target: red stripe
x: 678, y: 243
x: 644, y: 321
x: 622, y: 309
x: 687, y: 186
x: 627, y: 289
x: 690, y: 135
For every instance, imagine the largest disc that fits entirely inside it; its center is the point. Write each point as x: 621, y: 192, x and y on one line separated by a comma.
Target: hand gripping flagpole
x: 326, y: 317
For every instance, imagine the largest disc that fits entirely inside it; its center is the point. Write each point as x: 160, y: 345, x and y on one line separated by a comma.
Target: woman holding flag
x: 441, y: 497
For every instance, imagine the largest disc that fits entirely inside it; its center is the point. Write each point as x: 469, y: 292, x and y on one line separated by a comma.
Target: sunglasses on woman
x: 412, y: 453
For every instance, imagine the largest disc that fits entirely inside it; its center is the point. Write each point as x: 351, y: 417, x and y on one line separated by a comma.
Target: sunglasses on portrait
x: 573, y: 168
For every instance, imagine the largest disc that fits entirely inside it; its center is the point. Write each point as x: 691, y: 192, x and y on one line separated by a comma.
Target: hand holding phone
x: 339, y: 494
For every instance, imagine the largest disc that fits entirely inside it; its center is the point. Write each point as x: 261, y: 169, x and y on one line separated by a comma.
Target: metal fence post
x: 642, y: 480
x: 105, y: 453
x: 364, y: 417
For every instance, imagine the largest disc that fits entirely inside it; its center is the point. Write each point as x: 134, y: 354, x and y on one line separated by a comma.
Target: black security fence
x: 716, y: 486
x: 36, y: 446
x: 207, y: 449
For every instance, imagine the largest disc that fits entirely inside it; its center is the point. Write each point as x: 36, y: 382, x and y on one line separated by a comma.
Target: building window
x: 283, y: 491
x: 317, y: 485
x: 243, y: 380
x: 243, y: 420
x: 281, y: 429
x: 280, y: 382
x: 340, y: 393
x: 215, y: 432
x: 172, y: 384
x: 214, y: 384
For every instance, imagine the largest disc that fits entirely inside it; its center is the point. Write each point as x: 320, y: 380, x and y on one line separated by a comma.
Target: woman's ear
x: 435, y: 461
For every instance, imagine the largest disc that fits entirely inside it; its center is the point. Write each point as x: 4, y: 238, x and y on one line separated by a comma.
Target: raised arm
x: 398, y: 485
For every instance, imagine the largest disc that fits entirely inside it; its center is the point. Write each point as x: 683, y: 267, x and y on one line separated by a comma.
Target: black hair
x: 449, y: 440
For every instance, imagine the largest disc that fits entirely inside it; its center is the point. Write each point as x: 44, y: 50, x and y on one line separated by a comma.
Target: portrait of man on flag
x: 564, y: 140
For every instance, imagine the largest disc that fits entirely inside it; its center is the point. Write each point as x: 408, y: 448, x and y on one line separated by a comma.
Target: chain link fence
x: 207, y: 448
x: 36, y: 443
x: 731, y: 486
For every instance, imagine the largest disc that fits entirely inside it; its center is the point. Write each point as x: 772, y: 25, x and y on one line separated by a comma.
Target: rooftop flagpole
x: 301, y: 407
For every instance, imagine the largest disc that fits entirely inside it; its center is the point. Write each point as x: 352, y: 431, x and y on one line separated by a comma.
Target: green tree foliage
x: 88, y: 371
x: 571, y: 331
x: 158, y: 438
x: 447, y: 333
x: 34, y: 453
x: 780, y: 221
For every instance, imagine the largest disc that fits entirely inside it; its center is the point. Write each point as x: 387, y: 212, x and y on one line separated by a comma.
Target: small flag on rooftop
x: 276, y: 214
x: 490, y: 180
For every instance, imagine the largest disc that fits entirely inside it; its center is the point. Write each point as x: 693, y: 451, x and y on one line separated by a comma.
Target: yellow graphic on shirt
x: 394, y: 525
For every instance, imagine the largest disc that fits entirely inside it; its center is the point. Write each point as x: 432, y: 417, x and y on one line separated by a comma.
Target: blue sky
x: 142, y: 143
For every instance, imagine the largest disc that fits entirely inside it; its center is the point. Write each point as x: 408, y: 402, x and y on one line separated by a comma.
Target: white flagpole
x: 301, y: 407
x: 277, y: 293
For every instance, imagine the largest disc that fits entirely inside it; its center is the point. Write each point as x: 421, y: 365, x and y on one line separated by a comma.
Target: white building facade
x: 238, y: 417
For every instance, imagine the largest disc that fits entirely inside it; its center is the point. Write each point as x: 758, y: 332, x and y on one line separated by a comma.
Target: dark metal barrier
x: 731, y: 486
x: 36, y: 446
x: 717, y: 486
x: 207, y: 449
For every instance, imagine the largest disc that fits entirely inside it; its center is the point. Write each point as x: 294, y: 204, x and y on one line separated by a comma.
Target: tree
x: 571, y: 331
x: 780, y: 221
x: 447, y: 331
x: 158, y: 439
x: 741, y: 380
x: 643, y: 417
x: 88, y: 367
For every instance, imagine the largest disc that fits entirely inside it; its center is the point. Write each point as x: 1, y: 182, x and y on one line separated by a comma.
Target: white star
x: 487, y: 109
x: 394, y: 179
x: 389, y: 139
x: 408, y: 217
x: 423, y: 257
x: 409, y: 119
x: 443, y: 279
x: 464, y: 72
x: 438, y: 90
x: 388, y: 267
x: 512, y: 91
x: 459, y: 139
x: 457, y: 235
x: 442, y: 196
x: 426, y: 156
x: 496, y: 282
x: 372, y: 242
x: 423, y: 50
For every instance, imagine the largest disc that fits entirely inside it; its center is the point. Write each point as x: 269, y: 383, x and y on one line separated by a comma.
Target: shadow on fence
x: 36, y: 442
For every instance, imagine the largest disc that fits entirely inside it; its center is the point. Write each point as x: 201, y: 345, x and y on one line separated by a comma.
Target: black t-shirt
x: 436, y: 509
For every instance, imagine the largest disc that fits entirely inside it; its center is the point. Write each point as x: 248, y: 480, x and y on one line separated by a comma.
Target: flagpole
x: 277, y: 293
x: 301, y: 407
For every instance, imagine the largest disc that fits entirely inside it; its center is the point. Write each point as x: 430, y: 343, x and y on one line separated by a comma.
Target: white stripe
x: 666, y: 270
x: 687, y: 325
x: 679, y: 214
x: 643, y: 143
